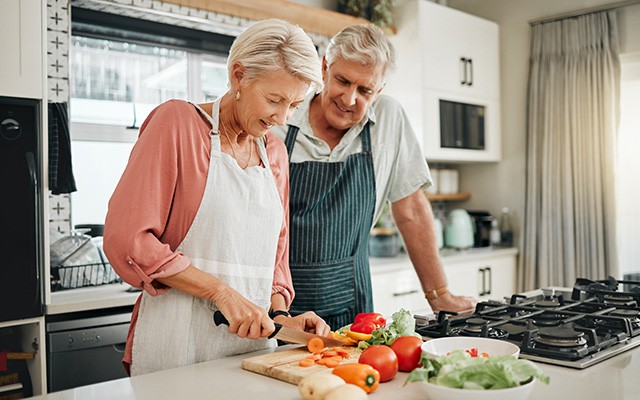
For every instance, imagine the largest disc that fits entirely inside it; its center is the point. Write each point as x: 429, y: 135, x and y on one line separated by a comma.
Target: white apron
x: 234, y: 237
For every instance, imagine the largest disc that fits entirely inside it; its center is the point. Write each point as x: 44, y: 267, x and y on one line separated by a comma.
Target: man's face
x: 349, y: 89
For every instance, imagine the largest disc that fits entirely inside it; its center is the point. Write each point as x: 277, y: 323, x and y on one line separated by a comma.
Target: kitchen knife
x: 286, y: 334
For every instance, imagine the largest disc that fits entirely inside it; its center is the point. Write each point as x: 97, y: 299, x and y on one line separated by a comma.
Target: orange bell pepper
x: 361, y: 375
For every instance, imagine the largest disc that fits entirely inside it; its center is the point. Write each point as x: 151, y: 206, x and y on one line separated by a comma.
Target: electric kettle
x: 458, y: 232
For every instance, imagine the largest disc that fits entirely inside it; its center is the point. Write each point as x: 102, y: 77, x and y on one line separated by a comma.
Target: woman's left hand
x: 308, y: 322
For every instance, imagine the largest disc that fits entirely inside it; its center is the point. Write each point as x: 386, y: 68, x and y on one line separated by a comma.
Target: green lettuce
x: 403, y: 324
x: 459, y: 370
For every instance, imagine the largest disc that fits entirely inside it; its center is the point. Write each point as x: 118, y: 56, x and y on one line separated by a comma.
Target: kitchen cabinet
x: 22, y: 34
x: 485, y: 273
x: 446, y: 55
x: 397, y: 287
x: 483, y: 277
x: 31, y: 334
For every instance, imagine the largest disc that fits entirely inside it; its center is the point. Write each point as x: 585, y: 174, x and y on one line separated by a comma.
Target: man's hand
x: 449, y: 302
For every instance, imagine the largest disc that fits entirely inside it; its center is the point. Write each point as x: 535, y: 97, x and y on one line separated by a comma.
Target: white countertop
x: 612, y: 379
x: 116, y: 295
x: 91, y: 298
x: 401, y: 261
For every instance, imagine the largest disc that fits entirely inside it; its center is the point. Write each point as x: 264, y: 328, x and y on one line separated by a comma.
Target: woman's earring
x: 238, y: 95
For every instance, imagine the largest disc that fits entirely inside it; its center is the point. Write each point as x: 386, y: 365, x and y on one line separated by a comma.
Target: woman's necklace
x: 226, y: 134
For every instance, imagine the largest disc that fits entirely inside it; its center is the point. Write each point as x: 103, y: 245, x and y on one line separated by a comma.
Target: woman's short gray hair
x: 274, y: 45
x: 365, y: 44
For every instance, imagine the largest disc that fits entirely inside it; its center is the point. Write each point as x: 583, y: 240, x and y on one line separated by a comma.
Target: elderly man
x: 351, y: 150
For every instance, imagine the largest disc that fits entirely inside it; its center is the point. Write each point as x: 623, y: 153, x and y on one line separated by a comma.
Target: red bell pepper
x: 367, y: 322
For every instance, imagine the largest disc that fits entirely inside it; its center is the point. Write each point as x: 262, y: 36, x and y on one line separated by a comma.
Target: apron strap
x: 290, y: 140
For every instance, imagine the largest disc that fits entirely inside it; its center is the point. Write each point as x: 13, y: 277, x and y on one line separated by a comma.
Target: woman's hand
x: 246, y: 319
x: 308, y: 322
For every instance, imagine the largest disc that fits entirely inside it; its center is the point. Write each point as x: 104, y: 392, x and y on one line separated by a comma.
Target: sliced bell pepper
x: 357, y: 336
x: 367, y: 322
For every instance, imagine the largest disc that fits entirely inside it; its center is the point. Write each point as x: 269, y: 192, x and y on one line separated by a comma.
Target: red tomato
x: 408, y: 350
x: 383, y: 359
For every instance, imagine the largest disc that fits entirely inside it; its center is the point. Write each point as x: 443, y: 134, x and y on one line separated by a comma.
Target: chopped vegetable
x: 460, y: 369
x: 367, y: 322
x: 362, y: 375
x: 343, y: 337
x: 315, y: 345
x: 403, y: 324
x: 329, y: 357
x: 307, y: 362
x: 357, y: 336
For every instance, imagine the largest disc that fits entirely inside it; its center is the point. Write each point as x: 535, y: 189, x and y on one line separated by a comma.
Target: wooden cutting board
x: 283, y: 365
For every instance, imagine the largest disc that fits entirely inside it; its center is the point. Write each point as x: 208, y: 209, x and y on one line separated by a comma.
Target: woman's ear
x: 325, y: 66
x: 238, y: 73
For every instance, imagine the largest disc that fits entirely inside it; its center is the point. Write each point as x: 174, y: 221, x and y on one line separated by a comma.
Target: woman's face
x: 268, y: 100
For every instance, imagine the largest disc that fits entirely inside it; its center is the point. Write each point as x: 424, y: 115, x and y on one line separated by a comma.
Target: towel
x: 61, y: 178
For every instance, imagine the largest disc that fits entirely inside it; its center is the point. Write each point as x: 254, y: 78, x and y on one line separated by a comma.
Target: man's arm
x: 414, y: 218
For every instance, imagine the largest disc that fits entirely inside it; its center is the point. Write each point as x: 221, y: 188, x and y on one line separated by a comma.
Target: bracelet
x: 275, y: 313
x: 435, y: 293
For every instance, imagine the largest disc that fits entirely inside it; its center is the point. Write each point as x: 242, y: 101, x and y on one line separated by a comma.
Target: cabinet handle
x: 470, y: 77
x: 481, y: 292
x: 405, y: 293
x: 487, y: 281
x: 463, y: 71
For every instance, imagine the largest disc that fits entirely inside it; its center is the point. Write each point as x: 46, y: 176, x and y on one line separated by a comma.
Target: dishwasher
x: 86, y: 347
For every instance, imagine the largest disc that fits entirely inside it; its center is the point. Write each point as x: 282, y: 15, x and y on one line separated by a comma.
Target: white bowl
x: 493, y: 347
x: 437, y: 392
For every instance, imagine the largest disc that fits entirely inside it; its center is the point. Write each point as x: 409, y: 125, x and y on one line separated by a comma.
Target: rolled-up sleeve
x: 279, y: 163
x: 143, y: 201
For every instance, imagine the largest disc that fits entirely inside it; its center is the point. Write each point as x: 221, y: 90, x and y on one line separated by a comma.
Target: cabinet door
x: 21, y: 36
x: 460, y: 51
x: 397, y: 289
x: 502, y: 277
x: 490, y: 278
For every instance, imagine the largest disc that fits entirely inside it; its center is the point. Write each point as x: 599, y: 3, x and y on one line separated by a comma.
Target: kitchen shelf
x: 311, y: 19
x: 21, y: 356
x: 449, y: 197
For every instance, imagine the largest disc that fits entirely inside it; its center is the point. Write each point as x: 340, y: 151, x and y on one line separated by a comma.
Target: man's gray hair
x: 365, y: 44
x: 274, y: 45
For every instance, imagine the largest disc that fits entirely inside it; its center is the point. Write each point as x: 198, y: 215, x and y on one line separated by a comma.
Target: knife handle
x: 219, y: 319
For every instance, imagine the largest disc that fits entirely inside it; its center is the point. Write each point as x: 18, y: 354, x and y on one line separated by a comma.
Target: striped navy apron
x: 331, y: 210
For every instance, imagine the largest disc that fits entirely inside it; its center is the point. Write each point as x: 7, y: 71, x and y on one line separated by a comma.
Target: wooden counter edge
x: 311, y: 19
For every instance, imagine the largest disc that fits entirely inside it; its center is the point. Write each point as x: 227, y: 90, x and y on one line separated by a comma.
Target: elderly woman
x: 199, y: 219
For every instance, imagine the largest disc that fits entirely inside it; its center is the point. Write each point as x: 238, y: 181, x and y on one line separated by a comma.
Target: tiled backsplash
x: 58, y: 34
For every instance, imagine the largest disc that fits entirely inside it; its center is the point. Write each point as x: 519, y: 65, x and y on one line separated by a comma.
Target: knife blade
x: 286, y: 334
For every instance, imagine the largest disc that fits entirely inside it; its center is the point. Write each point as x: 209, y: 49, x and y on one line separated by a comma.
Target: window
x: 117, y: 76
x: 628, y: 166
x: 117, y: 83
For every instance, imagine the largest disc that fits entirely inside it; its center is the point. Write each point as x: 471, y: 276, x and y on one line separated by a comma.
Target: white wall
x: 503, y: 183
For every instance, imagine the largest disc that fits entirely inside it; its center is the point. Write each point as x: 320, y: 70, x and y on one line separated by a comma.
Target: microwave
x: 462, y: 125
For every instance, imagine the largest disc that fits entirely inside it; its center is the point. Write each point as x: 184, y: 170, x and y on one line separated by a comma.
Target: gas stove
x: 573, y: 327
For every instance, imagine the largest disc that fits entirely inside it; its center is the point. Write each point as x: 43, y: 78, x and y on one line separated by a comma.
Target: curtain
x: 573, y: 106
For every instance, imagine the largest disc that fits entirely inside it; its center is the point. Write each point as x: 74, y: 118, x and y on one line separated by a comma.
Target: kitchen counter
x: 116, y: 295
x: 91, y: 298
x: 612, y: 379
x: 402, y: 261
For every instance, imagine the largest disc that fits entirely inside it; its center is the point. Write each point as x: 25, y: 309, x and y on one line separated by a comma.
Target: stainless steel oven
x: 86, y: 348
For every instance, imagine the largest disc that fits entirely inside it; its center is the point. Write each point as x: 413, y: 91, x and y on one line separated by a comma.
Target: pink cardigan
x: 156, y: 200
